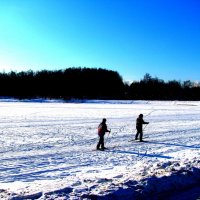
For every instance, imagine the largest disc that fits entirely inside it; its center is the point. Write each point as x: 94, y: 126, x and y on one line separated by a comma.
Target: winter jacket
x: 139, y: 122
x: 102, y: 129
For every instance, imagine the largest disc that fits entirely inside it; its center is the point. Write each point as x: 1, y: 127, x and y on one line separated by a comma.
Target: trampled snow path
x: 48, y: 150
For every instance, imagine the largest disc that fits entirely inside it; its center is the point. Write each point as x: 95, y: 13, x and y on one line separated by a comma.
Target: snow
x: 47, y: 150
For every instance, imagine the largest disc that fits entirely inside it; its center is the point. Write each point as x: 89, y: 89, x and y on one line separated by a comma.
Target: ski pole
x: 107, y: 137
x: 150, y: 113
x: 145, y: 126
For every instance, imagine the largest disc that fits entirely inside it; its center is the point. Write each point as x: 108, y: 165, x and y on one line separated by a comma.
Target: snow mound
x: 158, y: 180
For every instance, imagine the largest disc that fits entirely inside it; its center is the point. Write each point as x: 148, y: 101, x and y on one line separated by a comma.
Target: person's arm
x: 145, y: 122
x: 106, y: 129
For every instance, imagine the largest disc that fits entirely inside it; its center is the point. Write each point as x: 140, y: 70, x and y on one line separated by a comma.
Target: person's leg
x: 99, y: 143
x: 102, y: 142
x: 136, y: 136
x: 141, y: 135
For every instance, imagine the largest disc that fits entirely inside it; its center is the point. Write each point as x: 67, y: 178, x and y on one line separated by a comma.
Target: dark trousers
x: 101, y: 142
x: 139, y: 132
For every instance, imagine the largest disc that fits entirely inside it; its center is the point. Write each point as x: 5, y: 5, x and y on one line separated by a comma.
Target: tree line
x: 79, y: 83
x: 92, y: 83
x: 156, y: 89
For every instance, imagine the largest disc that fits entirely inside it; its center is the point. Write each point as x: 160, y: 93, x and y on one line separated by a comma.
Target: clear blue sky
x: 133, y: 37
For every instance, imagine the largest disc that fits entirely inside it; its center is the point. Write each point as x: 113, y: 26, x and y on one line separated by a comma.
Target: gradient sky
x: 133, y: 37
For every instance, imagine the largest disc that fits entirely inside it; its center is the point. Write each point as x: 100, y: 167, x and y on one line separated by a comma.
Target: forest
x: 92, y: 83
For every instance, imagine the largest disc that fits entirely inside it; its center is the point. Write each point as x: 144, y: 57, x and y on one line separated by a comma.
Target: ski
x: 101, y: 149
x: 107, y: 149
x: 138, y: 140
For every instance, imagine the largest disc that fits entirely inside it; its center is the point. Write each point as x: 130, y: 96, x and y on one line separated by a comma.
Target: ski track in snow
x: 47, y: 150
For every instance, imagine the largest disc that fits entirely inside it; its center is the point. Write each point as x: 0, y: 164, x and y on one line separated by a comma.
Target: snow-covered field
x: 47, y: 150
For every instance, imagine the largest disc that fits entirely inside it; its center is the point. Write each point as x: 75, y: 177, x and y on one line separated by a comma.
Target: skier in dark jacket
x: 139, y: 123
x: 102, y: 129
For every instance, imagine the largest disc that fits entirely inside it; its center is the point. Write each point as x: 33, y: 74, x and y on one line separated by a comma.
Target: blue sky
x: 133, y: 37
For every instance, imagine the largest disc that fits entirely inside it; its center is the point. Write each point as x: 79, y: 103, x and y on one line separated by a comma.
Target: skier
x: 139, y: 123
x: 102, y: 129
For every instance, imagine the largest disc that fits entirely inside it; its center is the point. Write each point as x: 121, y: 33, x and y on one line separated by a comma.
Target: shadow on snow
x: 144, y: 154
